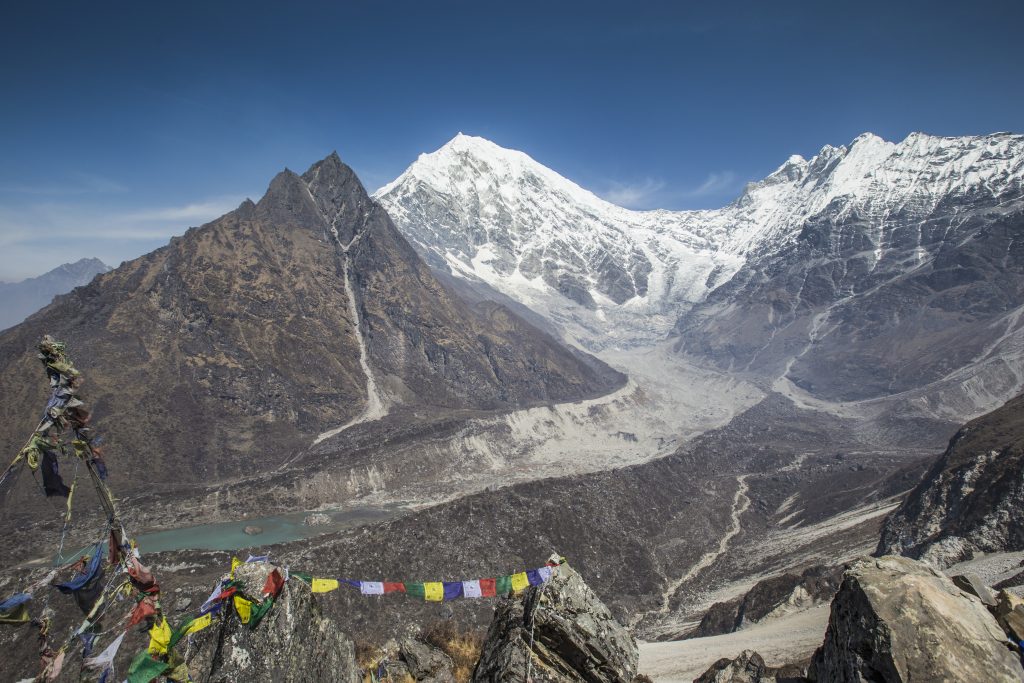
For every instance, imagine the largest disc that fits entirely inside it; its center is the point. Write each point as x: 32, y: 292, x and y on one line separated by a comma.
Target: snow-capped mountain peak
x: 496, y: 214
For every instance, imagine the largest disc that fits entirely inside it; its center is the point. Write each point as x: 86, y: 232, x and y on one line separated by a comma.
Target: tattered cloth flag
x: 87, y: 585
x: 160, y: 638
x: 144, y: 668
x: 105, y: 658
x: 53, y: 485
x: 371, y: 588
x: 14, y: 609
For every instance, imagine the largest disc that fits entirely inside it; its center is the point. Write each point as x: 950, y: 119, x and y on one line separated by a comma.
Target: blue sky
x: 125, y: 123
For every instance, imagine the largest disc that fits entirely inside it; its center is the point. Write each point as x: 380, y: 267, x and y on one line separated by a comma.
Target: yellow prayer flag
x: 433, y: 591
x: 199, y: 624
x: 234, y: 563
x: 244, y: 608
x: 519, y: 582
x: 323, y: 585
x: 159, y: 638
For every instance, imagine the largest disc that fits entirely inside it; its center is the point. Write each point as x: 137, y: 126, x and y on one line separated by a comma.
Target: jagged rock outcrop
x: 749, y: 667
x: 574, y: 637
x: 897, y: 620
x: 971, y: 498
x: 294, y: 643
x: 769, y: 598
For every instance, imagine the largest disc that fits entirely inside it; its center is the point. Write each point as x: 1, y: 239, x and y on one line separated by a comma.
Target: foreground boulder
x: 749, y: 667
x: 896, y: 619
x: 294, y: 643
x: 575, y: 637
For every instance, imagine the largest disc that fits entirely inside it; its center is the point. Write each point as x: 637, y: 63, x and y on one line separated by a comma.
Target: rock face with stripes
x: 557, y: 632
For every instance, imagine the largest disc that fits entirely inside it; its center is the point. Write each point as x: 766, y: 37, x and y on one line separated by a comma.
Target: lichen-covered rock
x: 749, y: 667
x: 970, y: 500
x: 897, y: 620
x: 574, y: 637
x: 426, y: 664
x: 294, y: 643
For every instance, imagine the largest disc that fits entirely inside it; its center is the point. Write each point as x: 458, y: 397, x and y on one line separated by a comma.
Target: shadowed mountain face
x: 970, y: 499
x: 18, y: 300
x: 230, y: 348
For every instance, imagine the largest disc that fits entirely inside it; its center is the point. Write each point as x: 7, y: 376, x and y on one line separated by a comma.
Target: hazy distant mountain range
x: 18, y: 300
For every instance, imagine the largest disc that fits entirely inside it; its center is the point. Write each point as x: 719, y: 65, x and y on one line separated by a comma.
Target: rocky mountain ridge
x: 18, y: 300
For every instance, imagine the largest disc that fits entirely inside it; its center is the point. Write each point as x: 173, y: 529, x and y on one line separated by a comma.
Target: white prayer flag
x: 471, y: 589
x: 105, y: 658
x: 371, y: 588
x: 545, y: 574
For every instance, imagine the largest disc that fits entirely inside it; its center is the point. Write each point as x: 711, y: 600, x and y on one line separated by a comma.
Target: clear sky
x: 125, y: 123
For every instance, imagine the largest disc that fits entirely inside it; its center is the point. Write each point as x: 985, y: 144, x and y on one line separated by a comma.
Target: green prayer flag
x: 308, y: 578
x: 180, y: 631
x: 503, y: 586
x: 144, y: 668
x: 259, y: 611
x: 415, y: 590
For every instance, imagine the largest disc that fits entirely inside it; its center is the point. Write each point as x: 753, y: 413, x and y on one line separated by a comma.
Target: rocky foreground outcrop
x: 895, y: 620
x: 749, y: 667
x: 971, y: 498
x: 294, y: 643
x: 558, y: 632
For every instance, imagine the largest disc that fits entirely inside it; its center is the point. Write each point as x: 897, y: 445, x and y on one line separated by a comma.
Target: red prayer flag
x: 488, y: 588
x: 141, y: 576
x: 225, y: 594
x: 394, y: 587
x: 144, y: 609
x: 274, y: 584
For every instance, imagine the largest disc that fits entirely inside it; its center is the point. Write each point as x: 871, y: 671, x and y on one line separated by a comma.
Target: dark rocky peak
x: 558, y: 632
x: 339, y: 195
x: 289, y: 204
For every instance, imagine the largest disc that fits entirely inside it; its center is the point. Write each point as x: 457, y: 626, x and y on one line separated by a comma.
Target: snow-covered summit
x: 498, y: 215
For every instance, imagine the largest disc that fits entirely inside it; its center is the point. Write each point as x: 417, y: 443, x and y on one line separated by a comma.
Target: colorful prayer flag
x: 394, y: 587
x: 533, y: 576
x: 488, y: 588
x: 545, y: 574
x: 159, y: 637
x: 244, y: 608
x: 503, y: 586
x: 235, y: 562
x: 519, y: 581
x: 471, y: 589
x: 144, y: 668
x: 324, y: 585
x: 274, y: 584
x: 415, y: 590
x: 105, y: 658
x: 452, y: 590
x: 371, y: 588
x: 433, y: 591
